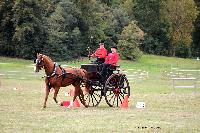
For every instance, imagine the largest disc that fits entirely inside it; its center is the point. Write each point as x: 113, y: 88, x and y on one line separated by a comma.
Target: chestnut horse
x: 57, y: 77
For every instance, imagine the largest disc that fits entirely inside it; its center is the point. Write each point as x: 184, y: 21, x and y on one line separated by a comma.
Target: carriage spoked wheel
x: 116, y: 88
x: 93, y: 96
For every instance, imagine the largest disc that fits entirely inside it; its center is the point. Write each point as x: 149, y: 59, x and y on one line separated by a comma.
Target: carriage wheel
x: 116, y: 87
x: 93, y: 97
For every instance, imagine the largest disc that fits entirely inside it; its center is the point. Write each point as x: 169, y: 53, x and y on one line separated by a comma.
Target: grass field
x: 166, y: 110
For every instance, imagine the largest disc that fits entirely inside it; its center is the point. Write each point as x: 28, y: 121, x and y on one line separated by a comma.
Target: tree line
x: 66, y: 29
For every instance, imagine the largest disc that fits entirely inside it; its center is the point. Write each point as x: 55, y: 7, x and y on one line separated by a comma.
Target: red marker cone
x: 66, y: 103
x: 76, y: 104
x: 125, y: 102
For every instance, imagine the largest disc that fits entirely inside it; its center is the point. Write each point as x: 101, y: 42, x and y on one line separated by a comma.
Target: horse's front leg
x: 47, y: 90
x: 56, y: 90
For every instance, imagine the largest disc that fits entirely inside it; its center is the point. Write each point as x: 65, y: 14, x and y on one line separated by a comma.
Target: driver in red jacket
x: 100, y: 53
x: 110, y: 61
x: 112, y: 58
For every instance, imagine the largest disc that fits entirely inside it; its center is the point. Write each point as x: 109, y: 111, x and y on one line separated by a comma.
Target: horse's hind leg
x: 81, y: 95
x: 76, y: 92
x: 79, y: 92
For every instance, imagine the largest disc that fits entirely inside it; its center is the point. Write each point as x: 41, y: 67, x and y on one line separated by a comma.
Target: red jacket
x: 101, y: 53
x: 112, y: 59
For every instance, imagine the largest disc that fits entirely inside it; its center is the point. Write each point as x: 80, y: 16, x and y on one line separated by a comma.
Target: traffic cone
x: 76, y: 104
x: 66, y: 103
x: 125, y: 102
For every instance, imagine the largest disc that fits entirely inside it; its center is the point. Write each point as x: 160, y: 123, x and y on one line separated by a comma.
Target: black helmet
x: 114, y: 46
x: 101, y: 43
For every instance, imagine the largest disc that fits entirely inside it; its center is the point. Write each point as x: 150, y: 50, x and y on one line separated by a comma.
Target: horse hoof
x: 43, y: 108
x: 60, y: 103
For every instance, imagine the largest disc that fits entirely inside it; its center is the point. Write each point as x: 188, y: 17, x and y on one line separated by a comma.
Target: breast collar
x: 54, y: 71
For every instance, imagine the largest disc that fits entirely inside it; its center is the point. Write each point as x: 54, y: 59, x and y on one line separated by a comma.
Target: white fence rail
x: 178, y: 83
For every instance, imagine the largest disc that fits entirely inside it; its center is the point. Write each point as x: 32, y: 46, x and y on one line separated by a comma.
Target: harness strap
x: 54, y: 71
x: 63, y: 74
x: 49, y: 84
x: 52, y: 74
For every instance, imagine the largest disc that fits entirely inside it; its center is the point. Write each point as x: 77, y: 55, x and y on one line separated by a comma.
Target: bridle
x: 39, y: 63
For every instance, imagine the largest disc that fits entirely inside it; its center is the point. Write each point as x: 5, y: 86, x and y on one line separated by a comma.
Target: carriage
x: 114, y: 89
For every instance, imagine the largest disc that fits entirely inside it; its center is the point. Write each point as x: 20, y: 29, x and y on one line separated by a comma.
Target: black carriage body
x: 90, y: 67
x: 113, y: 89
x: 93, y: 70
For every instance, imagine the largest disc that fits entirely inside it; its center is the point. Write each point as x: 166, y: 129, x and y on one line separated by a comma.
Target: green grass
x: 166, y: 110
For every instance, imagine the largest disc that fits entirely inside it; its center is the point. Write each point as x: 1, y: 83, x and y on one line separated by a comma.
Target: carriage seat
x: 90, y: 67
x: 114, y: 68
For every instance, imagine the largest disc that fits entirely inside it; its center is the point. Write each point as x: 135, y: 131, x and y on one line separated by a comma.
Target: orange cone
x: 65, y: 103
x: 125, y: 102
x: 76, y: 104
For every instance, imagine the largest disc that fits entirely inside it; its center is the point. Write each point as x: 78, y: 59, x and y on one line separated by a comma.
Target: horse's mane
x: 47, y: 57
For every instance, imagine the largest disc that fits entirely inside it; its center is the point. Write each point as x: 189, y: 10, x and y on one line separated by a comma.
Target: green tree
x: 116, y: 18
x: 196, y: 34
x: 129, y: 42
x: 108, y: 2
x: 30, y: 31
x: 90, y: 21
x: 6, y: 28
x: 147, y: 13
x: 64, y: 36
x: 57, y: 35
x: 128, y: 6
x: 110, y: 22
x: 180, y: 15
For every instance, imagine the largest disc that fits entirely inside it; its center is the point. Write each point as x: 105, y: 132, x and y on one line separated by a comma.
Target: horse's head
x: 39, y: 62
